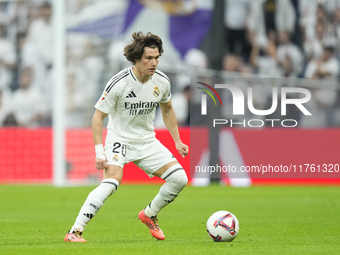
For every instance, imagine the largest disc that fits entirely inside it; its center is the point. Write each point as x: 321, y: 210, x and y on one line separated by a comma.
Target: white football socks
x: 94, y: 202
x: 176, y: 179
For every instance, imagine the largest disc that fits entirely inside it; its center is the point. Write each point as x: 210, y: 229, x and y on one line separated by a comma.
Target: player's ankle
x: 149, y: 212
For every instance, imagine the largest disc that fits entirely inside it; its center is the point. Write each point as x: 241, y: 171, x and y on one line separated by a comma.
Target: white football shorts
x: 149, y: 156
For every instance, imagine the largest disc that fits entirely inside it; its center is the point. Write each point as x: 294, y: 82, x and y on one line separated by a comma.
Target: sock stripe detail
x: 173, y: 171
x: 112, y: 184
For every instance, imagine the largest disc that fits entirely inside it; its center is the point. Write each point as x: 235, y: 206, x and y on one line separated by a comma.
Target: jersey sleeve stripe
x: 132, y: 75
x: 163, y: 76
x: 113, y: 83
x: 114, y: 79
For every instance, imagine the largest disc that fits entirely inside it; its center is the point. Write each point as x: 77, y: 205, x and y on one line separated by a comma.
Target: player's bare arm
x: 170, y: 121
x: 97, y: 132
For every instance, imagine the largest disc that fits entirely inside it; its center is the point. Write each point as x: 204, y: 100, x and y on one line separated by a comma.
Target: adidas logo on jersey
x: 131, y: 95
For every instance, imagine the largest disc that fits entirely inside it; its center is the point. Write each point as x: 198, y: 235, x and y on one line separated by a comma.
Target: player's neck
x: 142, y: 78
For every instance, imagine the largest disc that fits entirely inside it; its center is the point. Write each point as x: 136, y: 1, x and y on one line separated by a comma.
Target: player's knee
x: 114, y: 172
x: 176, y: 177
x: 181, y: 179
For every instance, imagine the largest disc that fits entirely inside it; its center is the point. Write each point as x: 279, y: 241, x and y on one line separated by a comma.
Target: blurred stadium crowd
x: 263, y: 38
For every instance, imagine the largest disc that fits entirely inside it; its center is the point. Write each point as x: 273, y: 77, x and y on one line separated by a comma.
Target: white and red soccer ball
x: 223, y: 226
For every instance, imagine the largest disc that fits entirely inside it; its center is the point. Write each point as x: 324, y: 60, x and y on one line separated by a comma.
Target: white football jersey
x: 131, y: 105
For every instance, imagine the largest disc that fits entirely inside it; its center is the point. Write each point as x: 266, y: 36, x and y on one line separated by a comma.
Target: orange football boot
x: 75, y: 236
x: 152, y: 224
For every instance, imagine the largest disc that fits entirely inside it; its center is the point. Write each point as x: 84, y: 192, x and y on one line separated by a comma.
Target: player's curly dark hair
x: 134, y: 51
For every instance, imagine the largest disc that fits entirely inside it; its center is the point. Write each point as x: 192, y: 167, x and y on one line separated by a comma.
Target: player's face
x: 148, y: 63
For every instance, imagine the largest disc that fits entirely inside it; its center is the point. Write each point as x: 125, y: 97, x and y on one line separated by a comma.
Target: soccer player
x: 130, y: 99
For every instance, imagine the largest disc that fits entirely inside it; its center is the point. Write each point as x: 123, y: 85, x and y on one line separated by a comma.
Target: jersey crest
x: 156, y: 92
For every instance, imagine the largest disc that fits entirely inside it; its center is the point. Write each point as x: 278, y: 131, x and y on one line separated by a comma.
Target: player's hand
x: 101, y: 161
x: 182, y: 149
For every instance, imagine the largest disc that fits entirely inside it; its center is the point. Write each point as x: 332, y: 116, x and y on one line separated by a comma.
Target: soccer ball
x: 223, y: 226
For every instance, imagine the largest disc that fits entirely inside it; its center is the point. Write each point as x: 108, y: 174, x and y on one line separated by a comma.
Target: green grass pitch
x: 273, y: 220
